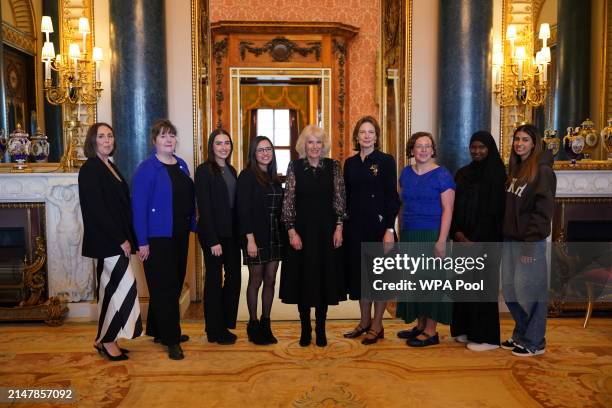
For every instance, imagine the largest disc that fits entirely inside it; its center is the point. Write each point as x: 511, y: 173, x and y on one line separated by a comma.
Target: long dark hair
x: 90, y: 145
x: 271, y: 175
x: 211, y: 153
x: 526, y: 171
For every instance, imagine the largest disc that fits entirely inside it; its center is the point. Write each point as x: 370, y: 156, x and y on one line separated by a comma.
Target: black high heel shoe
x: 104, y: 353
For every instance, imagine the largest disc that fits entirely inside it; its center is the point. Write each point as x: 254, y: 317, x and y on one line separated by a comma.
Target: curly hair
x: 412, y: 141
x: 311, y: 130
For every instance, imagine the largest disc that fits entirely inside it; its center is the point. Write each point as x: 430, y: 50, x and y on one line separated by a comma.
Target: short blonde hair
x: 311, y: 130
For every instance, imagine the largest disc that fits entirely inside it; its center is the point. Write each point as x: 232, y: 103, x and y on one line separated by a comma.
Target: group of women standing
x: 316, y: 226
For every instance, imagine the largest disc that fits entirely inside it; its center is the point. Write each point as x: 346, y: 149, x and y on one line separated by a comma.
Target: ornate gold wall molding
x: 219, y: 51
x: 18, y: 39
x: 281, y: 49
x: 341, y: 52
x: 200, y: 70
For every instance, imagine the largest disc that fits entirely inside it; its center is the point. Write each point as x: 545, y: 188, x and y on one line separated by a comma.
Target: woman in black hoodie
x: 530, y: 198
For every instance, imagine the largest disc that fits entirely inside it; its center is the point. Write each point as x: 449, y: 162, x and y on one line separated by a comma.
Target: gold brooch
x: 374, y: 169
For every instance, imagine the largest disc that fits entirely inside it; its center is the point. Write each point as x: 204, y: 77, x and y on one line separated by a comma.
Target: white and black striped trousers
x: 118, y: 307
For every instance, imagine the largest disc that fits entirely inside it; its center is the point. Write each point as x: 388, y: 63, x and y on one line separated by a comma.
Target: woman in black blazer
x: 109, y: 238
x: 215, y: 184
x: 372, y: 205
x: 260, y: 197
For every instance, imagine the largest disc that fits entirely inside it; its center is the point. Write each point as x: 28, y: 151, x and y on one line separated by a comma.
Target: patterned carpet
x: 576, y: 370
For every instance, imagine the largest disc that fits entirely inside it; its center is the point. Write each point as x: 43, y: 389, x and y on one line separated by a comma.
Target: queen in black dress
x: 313, y: 212
x: 372, y: 202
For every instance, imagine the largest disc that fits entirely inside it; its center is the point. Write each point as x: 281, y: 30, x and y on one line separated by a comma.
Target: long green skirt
x: 442, y: 312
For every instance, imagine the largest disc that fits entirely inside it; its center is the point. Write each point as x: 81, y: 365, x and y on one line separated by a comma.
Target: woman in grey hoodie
x: 530, y: 198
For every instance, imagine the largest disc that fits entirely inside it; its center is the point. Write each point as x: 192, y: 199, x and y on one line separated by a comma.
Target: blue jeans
x: 525, y: 289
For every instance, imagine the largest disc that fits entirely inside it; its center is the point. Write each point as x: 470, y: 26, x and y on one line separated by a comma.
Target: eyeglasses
x: 264, y: 149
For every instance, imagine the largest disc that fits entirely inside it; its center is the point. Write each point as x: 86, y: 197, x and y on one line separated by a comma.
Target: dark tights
x: 265, y: 273
x: 320, y: 312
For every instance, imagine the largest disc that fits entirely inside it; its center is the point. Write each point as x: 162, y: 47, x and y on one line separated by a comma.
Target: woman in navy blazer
x: 215, y: 183
x: 372, y: 204
x: 163, y: 206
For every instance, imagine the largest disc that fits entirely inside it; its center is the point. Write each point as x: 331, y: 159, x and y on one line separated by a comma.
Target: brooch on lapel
x: 374, y: 169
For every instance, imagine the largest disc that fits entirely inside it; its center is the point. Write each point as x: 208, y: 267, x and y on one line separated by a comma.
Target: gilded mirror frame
x: 521, y: 12
x: 31, y: 43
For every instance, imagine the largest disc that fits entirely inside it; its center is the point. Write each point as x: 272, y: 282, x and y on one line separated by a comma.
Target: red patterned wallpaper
x: 363, y: 14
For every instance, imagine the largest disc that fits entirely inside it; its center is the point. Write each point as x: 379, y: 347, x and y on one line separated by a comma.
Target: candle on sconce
x: 539, y: 61
x: 544, y: 33
x: 511, y: 36
x: 47, y: 54
x: 520, y: 58
x: 498, y: 62
x: 46, y: 26
x: 84, y: 30
x: 97, y: 57
x: 74, y: 54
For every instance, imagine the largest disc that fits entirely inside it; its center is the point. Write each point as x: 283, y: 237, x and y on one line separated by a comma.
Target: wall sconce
x: 520, y: 78
x: 78, y: 74
x: 76, y: 82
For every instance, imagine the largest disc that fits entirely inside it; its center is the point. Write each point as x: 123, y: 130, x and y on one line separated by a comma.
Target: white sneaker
x: 482, y: 346
x: 462, y: 339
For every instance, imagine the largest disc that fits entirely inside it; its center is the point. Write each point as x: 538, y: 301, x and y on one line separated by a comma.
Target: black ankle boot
x: 266, y: 331
x: 306, y: 336
x: 255, y: 333
x: 252, y: 327
x: 320, y: 332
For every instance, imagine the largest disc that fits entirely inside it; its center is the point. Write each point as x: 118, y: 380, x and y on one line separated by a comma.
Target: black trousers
x: 221, y: 290
x: 165, y: 271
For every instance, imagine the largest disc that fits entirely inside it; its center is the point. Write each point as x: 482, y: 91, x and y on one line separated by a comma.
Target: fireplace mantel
x: 584, y: 183
x: 70, y: 275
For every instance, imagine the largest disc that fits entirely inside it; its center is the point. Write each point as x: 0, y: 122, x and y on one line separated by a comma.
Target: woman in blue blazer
x: 163, y: 205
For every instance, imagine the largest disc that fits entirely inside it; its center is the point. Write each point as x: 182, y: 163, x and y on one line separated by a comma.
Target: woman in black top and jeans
x: 260, y: 197
x: 215, y: 183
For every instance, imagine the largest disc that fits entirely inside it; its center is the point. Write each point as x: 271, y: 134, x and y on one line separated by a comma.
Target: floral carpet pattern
x: 575, y: 371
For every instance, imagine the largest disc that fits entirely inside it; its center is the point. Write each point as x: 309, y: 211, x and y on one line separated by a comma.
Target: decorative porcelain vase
x: 19, y: 147
x: 552, y: 142
x: 39, y: 147
x: 606, y: 138
x: 573, y: 143
x: 3, y: 144
x: 587, y: 130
